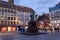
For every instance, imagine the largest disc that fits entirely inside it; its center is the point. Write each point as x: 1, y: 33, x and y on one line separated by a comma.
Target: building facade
x: 43, y: 21
x: 12, y: 15
x: 54, y: 13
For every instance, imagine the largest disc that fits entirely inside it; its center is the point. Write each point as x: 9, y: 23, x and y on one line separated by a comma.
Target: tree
x: 40, y: 18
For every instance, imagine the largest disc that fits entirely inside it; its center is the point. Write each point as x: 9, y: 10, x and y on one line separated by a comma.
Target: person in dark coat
x: 23, y: 29
x: 19, y: 28
x: 51, y: 29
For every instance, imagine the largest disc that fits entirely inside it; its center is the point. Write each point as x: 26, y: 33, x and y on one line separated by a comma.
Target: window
x: 52, y: 13
x: 9, y: 6
x: 8, y: 22
x: 0, y: 8
x: 14, y: 23
x: 8, y: 18
x: 11, y: 23
x: 9, y: 11
x: 54, y: 16
x: 21, y: 17
x: 14, y: 11
x: 2, y: 22
x: 58, y: 21
x: 3, y: 4
x: 2, y: 11
x: 57, y: 12
x: 14, y: 14
x: 26, y: 18
x: 5, y: 22
x: 17, y: 22
x: 5, y: 18
x: 14, y: 18
x: 55, y: 21
x: 14, y: 7
x: 5, y: 10
x: 52, y: 21
x: 11, y: 18
x: 57, y: 16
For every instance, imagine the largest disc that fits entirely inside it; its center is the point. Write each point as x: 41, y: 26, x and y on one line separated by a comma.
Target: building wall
x: 24, y: 17
x: 8, y: 16
x: 12, y: 15
x: 55, y: 17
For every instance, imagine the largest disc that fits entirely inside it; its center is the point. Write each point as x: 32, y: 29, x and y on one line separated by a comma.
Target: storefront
x: 3, y: 29
x: 8, y: 29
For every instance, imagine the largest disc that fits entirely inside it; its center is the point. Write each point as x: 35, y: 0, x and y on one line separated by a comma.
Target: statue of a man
x: 32, y: 16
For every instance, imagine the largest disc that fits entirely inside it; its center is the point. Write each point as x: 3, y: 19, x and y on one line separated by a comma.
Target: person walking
x: 58, y: 29
x: 51, y: 29
x: 23, y: 29
x: 19, y: 29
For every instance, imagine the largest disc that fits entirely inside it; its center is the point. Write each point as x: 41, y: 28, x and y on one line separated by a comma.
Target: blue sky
x: 40, y: 6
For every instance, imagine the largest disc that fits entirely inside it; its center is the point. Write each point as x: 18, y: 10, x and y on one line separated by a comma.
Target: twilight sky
x: 40, y: 6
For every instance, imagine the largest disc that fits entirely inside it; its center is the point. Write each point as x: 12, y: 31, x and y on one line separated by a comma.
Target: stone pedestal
x: 32, y: 27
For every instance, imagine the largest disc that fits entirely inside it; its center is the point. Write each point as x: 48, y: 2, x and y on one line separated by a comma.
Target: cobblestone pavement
x: 14, y: 36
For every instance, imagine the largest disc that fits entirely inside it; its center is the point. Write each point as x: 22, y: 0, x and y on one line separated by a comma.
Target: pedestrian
x: 23, y: 29
x: 58, y: 29
x: 51, y: 29
x: 45, y: 29
x: 19, y: 28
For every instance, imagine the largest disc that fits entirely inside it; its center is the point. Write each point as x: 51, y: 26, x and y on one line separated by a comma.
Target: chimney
x: 11, y: 1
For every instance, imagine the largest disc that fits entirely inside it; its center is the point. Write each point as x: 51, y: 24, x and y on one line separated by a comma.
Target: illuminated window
x: 9, y: 29
x: 55, y: 21
x: 4, y: 29
x: 52, y: 21
x: 13, y: 28
x: 58, y: 21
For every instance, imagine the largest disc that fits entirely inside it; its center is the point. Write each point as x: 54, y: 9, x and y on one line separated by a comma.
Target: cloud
x: 5, y: 0
x: 39, y: 6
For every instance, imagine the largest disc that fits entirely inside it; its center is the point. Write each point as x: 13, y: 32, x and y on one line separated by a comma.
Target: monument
x: 32, y: 25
